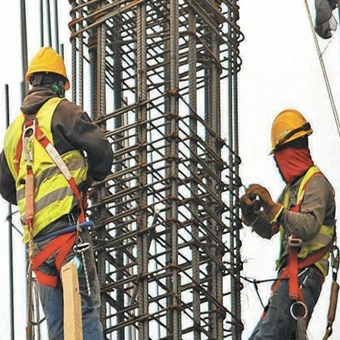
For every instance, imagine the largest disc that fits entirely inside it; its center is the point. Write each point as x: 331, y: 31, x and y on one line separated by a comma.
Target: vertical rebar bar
x: 10, y: 240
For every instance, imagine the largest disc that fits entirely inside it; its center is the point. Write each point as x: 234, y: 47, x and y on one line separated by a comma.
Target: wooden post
x: 73, y: 329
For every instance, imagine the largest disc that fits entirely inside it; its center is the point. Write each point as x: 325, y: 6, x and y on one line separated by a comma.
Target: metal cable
x: 323, y: 68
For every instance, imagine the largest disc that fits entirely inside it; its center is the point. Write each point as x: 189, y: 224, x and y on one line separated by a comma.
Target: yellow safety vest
x: 325, y: 234
x: 53, y: 195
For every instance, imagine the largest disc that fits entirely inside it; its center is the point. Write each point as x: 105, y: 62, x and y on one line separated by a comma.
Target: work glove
x: 250, y: 208
x: 270, y: 209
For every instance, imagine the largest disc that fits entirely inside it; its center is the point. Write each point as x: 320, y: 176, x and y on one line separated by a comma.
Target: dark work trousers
x: 278, y: 324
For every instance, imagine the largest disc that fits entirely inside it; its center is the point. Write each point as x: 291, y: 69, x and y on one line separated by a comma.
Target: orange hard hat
x: 288, y: 125
x: 49, y: 61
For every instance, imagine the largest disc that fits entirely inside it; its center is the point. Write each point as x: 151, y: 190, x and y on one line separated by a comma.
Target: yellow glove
x: 271, y: 209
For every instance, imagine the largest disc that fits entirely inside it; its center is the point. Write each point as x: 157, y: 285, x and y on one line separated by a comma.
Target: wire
x: 323, y: 68
x: 257, y: 282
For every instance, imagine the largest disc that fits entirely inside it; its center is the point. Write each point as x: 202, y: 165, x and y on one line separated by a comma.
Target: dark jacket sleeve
x: 97, y: 148
x: 7, y: 183
x: 73, y: 129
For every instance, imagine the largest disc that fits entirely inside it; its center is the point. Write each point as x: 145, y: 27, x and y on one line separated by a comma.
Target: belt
x: 85, y: 225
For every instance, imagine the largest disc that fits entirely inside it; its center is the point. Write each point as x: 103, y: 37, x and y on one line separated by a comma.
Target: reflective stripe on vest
x: 53, y: 196
x: 325, y: 234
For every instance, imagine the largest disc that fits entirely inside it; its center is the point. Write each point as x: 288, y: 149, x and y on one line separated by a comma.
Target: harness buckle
x: 335, y: 259
x: 298, y: 309
x: 27, y: 137
x: 294, y: 242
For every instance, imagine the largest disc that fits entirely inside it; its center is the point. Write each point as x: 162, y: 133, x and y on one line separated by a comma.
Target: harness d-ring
x: 296, y: 303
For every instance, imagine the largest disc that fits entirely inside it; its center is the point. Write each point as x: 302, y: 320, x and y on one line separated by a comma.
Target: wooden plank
x: 73, y: 329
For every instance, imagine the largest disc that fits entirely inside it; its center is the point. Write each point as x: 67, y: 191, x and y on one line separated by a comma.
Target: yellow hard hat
x: 47, y: 60
x: 289, y: 125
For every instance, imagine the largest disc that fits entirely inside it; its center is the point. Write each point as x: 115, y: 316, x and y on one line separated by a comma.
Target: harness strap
x: 29, y: 193
x: 18, y: 156
x: 61, y: 244
x: 55, y: 156
x: 293, y: 272
x: 287, y: 272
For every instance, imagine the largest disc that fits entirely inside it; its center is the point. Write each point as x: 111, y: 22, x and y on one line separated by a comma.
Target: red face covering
x: 293, y: 163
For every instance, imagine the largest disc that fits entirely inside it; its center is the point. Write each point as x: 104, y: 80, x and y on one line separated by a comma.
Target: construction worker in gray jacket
x: 304, y: 215
x: 52, y: 153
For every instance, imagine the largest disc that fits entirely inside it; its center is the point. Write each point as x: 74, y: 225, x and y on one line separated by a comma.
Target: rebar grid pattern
x: 163, y: 85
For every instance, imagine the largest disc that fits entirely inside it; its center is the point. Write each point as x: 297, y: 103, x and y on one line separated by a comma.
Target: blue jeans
x: 52, y: 298
x: 278, y: 323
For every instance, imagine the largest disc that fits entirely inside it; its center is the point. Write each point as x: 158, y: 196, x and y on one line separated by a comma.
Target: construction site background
x: 272, y: 76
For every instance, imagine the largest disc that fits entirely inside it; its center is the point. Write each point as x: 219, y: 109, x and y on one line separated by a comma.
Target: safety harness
x: 61, y: 244
x: 295, y: 264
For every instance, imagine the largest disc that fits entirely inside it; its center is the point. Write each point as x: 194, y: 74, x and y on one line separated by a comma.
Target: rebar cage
x: 166, y: 238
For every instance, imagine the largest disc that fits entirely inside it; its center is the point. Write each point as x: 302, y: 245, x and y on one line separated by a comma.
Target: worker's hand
x: 270, y: 208
x: 87, y: 183
x: 250, y: 208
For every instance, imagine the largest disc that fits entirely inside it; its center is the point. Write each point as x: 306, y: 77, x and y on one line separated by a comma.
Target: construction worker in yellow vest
x: 304, y: 215
x: 55, y: 143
